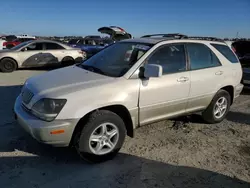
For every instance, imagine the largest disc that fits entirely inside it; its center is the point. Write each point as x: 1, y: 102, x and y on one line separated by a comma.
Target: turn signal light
x: 57, y: 131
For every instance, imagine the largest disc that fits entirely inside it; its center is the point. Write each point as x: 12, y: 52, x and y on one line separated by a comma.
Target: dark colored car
x: 242, y: 49
x: 93, y: 44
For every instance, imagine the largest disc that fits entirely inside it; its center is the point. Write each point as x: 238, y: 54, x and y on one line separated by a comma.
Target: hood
x: 116, y: 33
x: 65, y: 80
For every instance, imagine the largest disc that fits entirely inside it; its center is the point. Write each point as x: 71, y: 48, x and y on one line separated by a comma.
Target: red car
x: 15, y: 42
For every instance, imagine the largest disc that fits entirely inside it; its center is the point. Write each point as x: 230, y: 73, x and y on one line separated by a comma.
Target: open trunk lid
x: 116, y: 33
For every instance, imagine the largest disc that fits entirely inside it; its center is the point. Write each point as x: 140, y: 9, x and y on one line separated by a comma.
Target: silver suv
x: 127, y: 85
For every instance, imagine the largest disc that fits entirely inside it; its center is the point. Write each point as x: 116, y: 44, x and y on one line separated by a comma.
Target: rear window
x: 227, y: 52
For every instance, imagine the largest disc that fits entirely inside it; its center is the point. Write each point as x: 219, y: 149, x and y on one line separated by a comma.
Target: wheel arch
x: 120, y: 110
x: 230, y: 90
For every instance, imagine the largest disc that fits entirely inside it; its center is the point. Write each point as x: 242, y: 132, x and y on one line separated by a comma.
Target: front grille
x: 26, y: 95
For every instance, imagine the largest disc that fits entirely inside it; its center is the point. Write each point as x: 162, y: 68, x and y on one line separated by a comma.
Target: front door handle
x: 219, y: 73
x: 182, y: 79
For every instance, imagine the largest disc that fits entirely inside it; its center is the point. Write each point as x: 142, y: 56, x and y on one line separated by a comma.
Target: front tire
x: 218, y: 108
x: 8, y: 65
x: 101, y: 137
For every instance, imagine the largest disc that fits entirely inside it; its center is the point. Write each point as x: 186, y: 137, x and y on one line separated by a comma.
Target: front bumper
x: 41, y: 130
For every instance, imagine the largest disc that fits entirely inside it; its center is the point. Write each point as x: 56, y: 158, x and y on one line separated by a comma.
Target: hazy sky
x: 221, y: 18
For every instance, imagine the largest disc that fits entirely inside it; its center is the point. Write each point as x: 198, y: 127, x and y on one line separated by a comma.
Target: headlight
x: 48, y: 109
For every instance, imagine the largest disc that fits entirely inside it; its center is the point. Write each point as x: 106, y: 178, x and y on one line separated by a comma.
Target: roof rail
x: 170, y: 35
x: 205, y: 38
x: 182, y: 36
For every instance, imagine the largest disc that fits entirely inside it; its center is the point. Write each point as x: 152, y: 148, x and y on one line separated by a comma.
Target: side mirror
x: 152, y: 70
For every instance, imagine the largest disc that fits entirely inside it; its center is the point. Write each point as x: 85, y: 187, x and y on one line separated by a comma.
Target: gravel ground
x: 180, y: 153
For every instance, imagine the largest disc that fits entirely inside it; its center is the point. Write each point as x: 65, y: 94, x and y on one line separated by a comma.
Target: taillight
x: 5, y: 43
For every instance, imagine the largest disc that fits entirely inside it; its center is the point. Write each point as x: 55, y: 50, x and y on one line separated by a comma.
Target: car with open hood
x: 131, y: 83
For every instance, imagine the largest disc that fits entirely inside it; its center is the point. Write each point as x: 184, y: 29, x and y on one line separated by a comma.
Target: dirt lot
x: 183, y: 153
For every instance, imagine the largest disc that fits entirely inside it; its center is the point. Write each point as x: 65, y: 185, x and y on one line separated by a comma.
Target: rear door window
x: 226, y: 52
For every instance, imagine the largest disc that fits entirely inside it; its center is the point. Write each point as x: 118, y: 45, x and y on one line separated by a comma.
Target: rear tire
x: 218, y: 108
x: 96, y: 143
x: 8, y: 65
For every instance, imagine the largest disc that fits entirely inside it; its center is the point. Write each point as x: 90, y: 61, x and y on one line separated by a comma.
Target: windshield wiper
x: 92, y: 69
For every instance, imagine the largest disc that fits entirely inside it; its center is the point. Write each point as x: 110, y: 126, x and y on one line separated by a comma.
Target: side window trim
x: 211, y: 52
x: 164, y: 45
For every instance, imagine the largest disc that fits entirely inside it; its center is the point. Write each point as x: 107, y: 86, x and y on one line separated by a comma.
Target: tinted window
x: 171, y: 57
x: 73, y: 41
x: 89, y: 42
x: 35, y: 46
x: 226, y: 52
x: 80, y: 42
x: 52, y: 46
x: 201, y: 57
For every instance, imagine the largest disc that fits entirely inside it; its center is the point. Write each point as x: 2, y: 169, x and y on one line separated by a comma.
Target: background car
x: 39, y: 53
x: 1, y: 43
x: 11, y: 44
x: 242, y: 50
x: 93, y: 44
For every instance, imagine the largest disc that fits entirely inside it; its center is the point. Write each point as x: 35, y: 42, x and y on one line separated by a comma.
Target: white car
x: 39, y: 53
x: 94, y: 105
x: 1, y: 43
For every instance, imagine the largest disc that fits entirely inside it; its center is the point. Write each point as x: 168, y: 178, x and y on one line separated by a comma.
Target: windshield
x: 116, y: 59
x: 20, y: 45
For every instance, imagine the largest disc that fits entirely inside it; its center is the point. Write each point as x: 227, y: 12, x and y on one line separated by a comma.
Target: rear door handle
x: 219, y: 73
x: 182, y: 79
